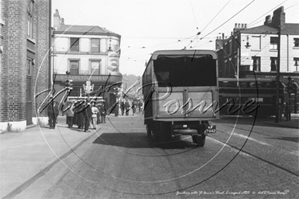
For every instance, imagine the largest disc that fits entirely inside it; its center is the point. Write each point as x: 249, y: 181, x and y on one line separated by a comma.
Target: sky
x: 149, y: 25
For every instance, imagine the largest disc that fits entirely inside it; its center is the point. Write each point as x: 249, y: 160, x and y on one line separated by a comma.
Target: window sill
x: 295, y: 47
x: 31, y: 40
x: 273, y: 50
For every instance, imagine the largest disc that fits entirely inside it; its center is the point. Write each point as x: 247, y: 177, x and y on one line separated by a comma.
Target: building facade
x: 24, y: 61
x: 86, y: 53
x: 253, y: 52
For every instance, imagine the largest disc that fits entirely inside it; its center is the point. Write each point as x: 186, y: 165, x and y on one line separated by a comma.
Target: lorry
x: 180, y: 90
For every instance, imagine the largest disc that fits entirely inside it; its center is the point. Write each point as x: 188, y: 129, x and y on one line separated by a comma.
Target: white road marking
x: 230, y: 147
x: 252, y: 139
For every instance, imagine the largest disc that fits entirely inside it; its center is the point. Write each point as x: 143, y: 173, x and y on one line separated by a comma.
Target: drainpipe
x: 50, y: 45
x: 288, y: 53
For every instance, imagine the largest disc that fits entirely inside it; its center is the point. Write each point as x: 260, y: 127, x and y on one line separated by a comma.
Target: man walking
x: 52, y: 111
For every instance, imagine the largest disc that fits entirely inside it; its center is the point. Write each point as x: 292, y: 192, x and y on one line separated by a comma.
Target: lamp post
x: 278, y: 76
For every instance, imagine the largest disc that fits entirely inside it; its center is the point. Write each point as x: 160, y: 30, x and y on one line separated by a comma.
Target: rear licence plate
x: 211, y: 129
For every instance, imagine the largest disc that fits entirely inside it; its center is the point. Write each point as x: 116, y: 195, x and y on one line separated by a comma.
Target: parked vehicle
x: 180, y: 89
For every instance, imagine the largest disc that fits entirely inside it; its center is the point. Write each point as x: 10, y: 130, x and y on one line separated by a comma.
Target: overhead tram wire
x: 267, y: 12
x: 228, y: 20
x: 252, y: 24
x: 213, y: 19
x: 194, y: 14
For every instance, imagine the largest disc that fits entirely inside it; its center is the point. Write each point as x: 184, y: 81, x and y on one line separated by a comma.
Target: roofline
x: 183, y: 52
x: 89, y: 33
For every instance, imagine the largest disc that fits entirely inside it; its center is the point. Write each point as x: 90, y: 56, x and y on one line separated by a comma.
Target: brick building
x: 255, y: 50
x: 24, y: 58
x: 89, y: 53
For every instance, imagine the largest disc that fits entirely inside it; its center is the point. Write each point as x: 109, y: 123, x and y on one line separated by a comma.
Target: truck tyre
x: 166, y: 134
x: 199, y: 140
x: 149, y: 129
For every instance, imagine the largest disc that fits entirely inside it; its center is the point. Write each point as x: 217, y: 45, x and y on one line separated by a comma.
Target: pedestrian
x: 70, y: 115
x: 133, y: 107
x: 116, y: 109
x: 87, y: 114
x: 126, y: 107
x: 98, y: 114
x: 53, y: 112
x: 140, y: 106
x: 95, y: 111
x: 102, y: 114
x: 122, y: 106
x: 78, y: 118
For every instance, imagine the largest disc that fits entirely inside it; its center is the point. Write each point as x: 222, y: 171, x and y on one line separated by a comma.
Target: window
x: 296, y: 42
x: 30, y: 19
x: 296, y: 63
x: 29, y: 66
x: 74, y: 67
x: 256, y: 43
x: 274, y: 63
x: 273, y: 43
x: 74, y: 45
x: 256, y: 63
x: 95, y: 45
x: 95, y: 67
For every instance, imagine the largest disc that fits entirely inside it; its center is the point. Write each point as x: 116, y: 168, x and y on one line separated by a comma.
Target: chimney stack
x: 57, y: 20
x: 268, y: 20
x: 239, y: 26
x: 278, y: 18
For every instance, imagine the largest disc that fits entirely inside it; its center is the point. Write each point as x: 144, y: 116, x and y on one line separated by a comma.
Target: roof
x: 84, y: 30
x: 183, y: 52
x: 291, y: 29
x: 260, y: 30
x: 288, y: 28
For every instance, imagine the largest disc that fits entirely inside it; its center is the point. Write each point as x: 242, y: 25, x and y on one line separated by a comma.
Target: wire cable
x: 228, y: 20
x: 267, y: 12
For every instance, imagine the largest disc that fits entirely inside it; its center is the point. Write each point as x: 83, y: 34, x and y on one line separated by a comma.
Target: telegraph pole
x: 278, y: 76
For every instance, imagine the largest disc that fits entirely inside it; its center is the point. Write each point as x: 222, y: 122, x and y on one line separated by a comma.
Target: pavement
x: 293, y: 123
x: 26, y: 156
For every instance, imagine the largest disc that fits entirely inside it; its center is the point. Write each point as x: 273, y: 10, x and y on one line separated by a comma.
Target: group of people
x: 83, y: 115
x: 125, y: 107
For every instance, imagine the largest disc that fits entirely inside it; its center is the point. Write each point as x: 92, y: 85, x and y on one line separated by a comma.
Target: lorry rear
x: 180, y: 90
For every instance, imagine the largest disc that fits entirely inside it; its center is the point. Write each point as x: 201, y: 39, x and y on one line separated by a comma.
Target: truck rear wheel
x: 149, y: 129
x: 162, y: 131
x: 199, y: 139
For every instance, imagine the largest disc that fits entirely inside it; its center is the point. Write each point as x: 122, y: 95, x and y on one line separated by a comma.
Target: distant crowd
x: 88, y: 114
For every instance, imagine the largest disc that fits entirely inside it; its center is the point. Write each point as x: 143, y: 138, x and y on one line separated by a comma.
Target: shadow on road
x: 290, y: 139
x: 262, y: 122
x: 140, y: 140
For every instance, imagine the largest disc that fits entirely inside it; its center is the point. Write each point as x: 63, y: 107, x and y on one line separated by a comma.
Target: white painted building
x: 88, y: 53
x: 255, y: 50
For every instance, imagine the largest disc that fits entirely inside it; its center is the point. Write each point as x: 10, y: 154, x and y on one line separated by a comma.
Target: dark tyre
x: 199, y: 140
x: 166, y: 134
x: 149, y: 129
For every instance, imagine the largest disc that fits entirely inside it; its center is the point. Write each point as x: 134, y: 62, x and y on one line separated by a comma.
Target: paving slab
x: 26, y: 156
